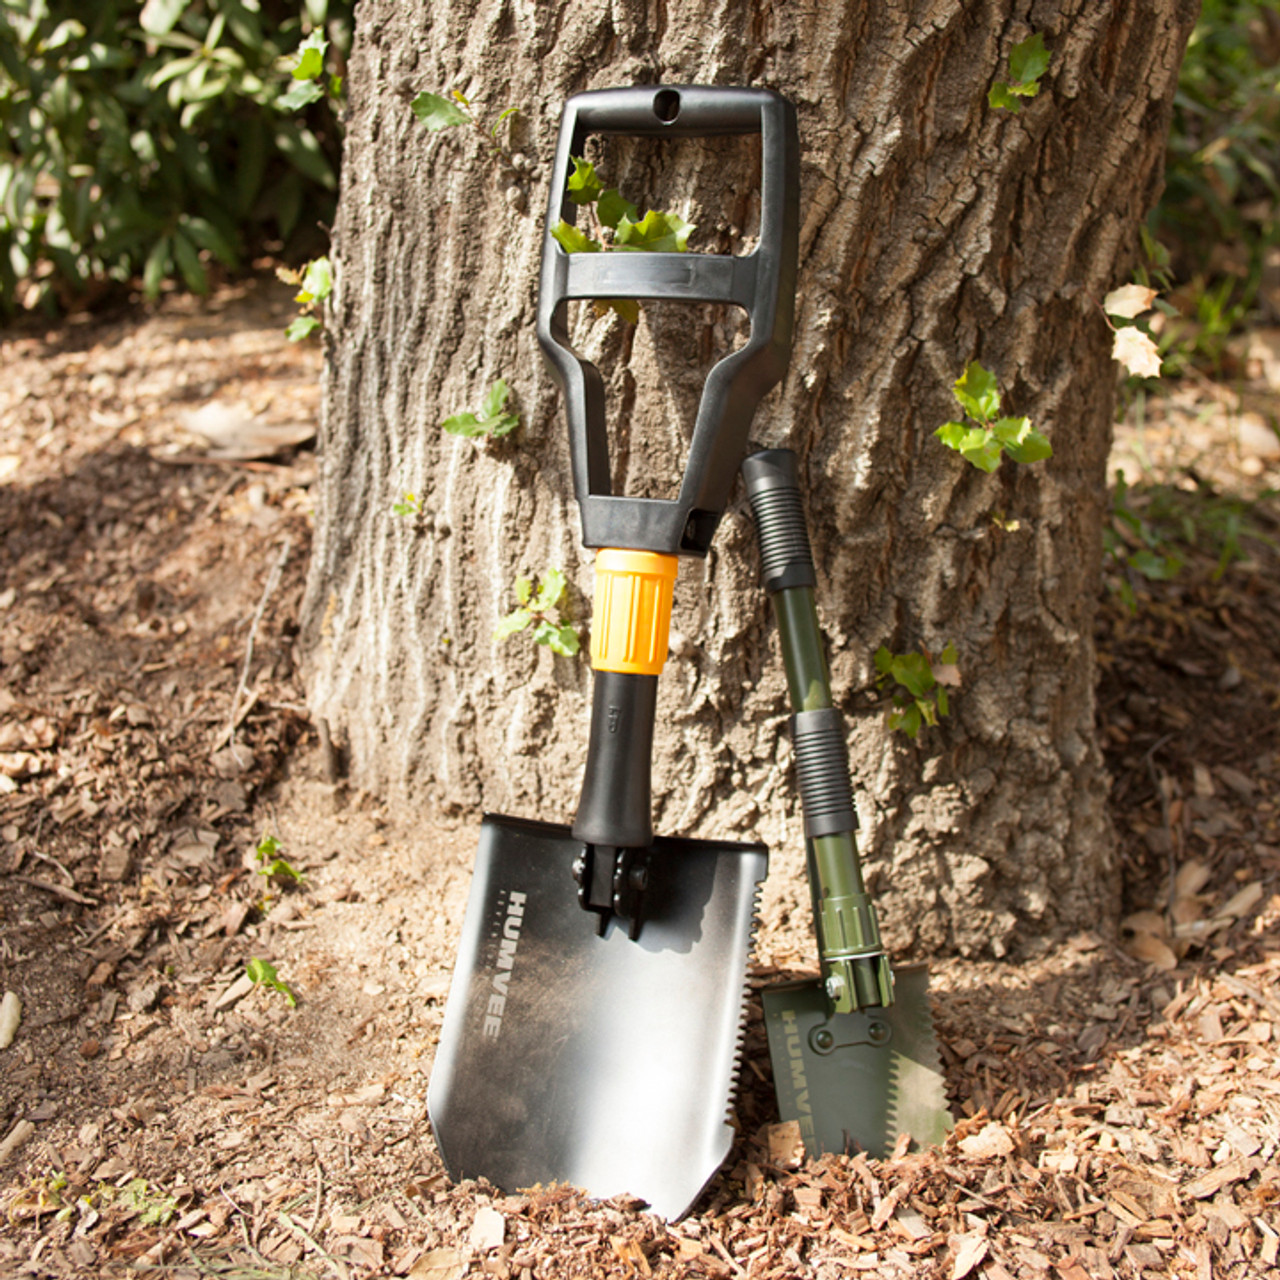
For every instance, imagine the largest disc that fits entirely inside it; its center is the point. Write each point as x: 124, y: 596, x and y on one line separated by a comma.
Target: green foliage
x: 656, y: 232
x: 410, y: 506
x: 1220, y: 211
x: 274, y: 867
x: 440, y: 113
x: 154, y: 1208
x: 1151, y: 532
x: 315, y: 284
x: 493, y: 420
x: 150, y: 139
x: 982, y: 438
x: 536, y: 599
x: 1028, y: 61
x: 262, y: 973
x: 920, y: 686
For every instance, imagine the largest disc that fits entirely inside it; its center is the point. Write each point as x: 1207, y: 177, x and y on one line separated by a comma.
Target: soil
x: 1118, y: 1098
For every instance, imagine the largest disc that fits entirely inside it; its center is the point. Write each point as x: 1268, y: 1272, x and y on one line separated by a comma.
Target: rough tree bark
x: 936, y: 230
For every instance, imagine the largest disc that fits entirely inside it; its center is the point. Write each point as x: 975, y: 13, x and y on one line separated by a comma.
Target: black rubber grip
x: 616, y: 807
x: 822, y: 771
x: 774, y: 492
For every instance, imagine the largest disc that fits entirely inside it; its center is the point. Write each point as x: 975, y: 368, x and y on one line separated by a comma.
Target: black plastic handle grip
x: 761, y: 282
x: 774, y: 493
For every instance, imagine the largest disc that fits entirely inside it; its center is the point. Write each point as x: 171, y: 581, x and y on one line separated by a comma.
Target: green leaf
x: 311, y: 57
x: 159, y: 264
x: 550, y: 589
x: 523, y: 588
x: 188, y: 259
x: 884, y: 661
x: 976, y: 445
x: 317, y: 281
x: 438, y: 113
x: 914, y: 673
x: 908, y: 720
x: 583, y: 186
x: 611, y: 208
x: 301, y: 327
x: 949, y: 654
x: 656, y: 232
x: 1001, y: 97
x: 978, y: 392
x: 302, y: 94
x: 207, y: 236
x: 944, y: 703
x: 506, y: 115
x: 627, y: 308
x: 559, y: 639
x: 1028, y: 60
x: 1155, y: 568
x: 982, y: 450
x: 158, y: 17
x: 495, y: 399
x: 464, y: 424
x: 952, y: 434
x: 263, y: 973
x: 571, y: 240
x: 514, y: 622
x: 1031, y: 446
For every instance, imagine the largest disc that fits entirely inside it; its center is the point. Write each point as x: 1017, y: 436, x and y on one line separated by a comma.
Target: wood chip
x: 488, y: 1230
x: 989, y: 1142
x: 967, y: 1252
x: 10, y: 1017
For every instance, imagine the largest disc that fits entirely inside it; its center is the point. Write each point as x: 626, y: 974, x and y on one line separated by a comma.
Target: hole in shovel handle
x: 666, y: 105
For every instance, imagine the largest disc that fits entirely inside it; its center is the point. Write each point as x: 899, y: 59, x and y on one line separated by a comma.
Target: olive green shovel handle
x: 854, y: 964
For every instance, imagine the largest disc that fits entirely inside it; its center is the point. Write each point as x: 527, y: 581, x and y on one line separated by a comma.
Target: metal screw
x: 823, y: 1040
x: 878, y: 1032
x: 835, y: 986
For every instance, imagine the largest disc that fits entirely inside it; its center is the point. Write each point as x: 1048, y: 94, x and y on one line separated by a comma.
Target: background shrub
x: 148, y: 138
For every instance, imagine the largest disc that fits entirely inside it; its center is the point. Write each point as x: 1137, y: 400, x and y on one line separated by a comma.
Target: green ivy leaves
x: 983, y: 438
x: 438, y: 113
x: 537, y: 597
x: 656, y: 232
x: 315, y: 284
x: 1028, y: 61
x: 921, y: 680
x: 493, y: 421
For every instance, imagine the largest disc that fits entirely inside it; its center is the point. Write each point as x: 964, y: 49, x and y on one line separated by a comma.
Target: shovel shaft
x: 844, y: 917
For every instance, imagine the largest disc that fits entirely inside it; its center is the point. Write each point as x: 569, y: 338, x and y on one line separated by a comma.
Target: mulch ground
x: 1118, y: 1098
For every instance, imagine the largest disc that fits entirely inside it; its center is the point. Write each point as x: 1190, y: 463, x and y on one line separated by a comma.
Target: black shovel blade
x: 858, y: 1081
x: 601, y: 1062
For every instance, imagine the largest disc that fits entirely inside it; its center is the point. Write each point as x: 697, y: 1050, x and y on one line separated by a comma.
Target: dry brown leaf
x: 1151, y: 922
x: 1129, y: 301
x: 439, y: 1264
x: 1152, y: 950
x: 1242, y: 903
x: 1191, y: 878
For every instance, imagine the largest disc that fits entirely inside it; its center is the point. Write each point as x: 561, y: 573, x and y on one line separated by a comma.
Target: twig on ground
x: 273, y: 579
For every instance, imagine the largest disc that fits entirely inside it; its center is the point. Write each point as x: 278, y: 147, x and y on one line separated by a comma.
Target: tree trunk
x: 936, y: 230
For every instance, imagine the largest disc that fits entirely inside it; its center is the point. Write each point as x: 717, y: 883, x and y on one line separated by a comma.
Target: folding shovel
x: 593, y: 1024
x: 855, y: 1057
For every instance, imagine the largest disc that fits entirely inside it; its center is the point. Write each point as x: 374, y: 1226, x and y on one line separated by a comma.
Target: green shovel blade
x: 857, y: 1081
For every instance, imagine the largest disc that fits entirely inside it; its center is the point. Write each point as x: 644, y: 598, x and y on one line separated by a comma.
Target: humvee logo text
x: 501, y: 980
x: 799, y: 1082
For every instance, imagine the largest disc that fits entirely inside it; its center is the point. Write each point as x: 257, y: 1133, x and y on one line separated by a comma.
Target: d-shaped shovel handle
x: 761, y: 282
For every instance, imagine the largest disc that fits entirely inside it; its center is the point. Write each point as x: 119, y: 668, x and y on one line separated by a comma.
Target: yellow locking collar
x: 631, y: 618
